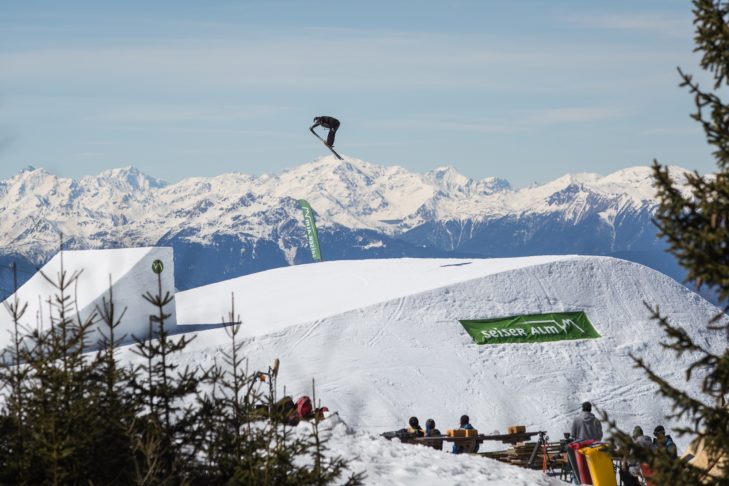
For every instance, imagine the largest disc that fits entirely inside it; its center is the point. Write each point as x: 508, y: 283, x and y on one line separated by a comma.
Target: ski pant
x: 332, y: 134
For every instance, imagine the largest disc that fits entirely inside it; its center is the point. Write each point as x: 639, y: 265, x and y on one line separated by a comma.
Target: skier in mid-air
x: 327, y: 122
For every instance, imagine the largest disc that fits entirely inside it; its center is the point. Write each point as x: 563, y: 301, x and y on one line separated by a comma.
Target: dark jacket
x: 326, y: 122
x: 668, y: 444
x: 586, y: 426
x: 434, y: 443
x: 417, y: 431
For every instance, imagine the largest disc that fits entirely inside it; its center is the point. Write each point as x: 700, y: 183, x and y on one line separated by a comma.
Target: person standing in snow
x: 414, y: 427
x: 327, y: 122
x: 629, y: 466
x: 663, y: 441
x: 586, y: 426
x: 469, y: 446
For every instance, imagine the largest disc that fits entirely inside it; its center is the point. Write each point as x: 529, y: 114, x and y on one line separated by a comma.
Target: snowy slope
x: 378, y: 360
x: 383, y: 341
x: 125, y: 208
x: 344, y: 285
x: 395, y: 464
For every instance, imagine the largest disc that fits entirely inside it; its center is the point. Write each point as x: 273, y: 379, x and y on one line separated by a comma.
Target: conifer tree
x: 696, y: 227
x: 113, y: 404
x: 13, y: 374
x: 162, y: 386
x: 73, y: 416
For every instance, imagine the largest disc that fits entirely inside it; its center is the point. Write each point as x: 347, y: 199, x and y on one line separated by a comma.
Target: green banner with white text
x: 311, y: 233
x: 534, y: 328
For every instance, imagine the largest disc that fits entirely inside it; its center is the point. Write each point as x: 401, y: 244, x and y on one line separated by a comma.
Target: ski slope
x: 383, y: 341
x: 315, y: 291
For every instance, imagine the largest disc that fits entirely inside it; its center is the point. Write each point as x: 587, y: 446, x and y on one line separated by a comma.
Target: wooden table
x: 480, y: 438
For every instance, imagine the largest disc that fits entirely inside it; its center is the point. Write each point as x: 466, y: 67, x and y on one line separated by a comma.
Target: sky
x: 526, y: 91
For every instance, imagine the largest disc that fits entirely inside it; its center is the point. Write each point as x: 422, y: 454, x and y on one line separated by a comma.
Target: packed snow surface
x: 305, y: 293
x: 392, y: 463
x: 384, y: 342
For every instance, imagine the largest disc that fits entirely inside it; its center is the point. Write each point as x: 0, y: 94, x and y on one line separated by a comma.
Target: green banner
x: 311, y: 234
x: 534, y: 328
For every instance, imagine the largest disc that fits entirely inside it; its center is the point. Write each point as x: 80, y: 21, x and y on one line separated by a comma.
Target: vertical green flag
x: 311, y: 234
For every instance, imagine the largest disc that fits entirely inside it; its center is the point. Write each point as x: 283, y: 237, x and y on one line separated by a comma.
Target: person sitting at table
x: 469, y: 445
x: 415, y: 428
x: 431, y: 431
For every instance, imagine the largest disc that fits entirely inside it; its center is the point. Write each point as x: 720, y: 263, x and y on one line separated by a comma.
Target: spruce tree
x: 74, y: 415
x: 696, y: 228
x: 13, y: 374
x: 162, y: 387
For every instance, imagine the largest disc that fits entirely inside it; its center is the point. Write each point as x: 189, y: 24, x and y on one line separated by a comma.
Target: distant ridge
x: 234, y: 224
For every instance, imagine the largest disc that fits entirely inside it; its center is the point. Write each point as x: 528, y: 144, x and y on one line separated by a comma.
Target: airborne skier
x: 332, y: 124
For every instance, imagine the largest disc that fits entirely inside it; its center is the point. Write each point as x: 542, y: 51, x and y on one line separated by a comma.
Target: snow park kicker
x: 127, y: 270
x: 384, y: 341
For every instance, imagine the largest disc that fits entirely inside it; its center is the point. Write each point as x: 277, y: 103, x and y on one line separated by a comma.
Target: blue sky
x: 526, y: 91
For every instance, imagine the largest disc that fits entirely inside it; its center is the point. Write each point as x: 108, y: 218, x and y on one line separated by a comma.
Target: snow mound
x: 384, y: 342
x: 343, y: 285
x: 394, y: 463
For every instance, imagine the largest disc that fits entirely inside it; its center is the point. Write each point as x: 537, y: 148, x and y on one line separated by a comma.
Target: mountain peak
x: 133, y: 178
x: 448, y: 178
x: 33, y: 176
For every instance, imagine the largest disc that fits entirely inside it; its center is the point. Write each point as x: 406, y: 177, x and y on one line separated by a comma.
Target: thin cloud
x: 358, y: 60
x: 211, y: 131
x: 89, y: 154
x: 434, y: 122
x: 516, y: 122
x: 171, y: 113
x: 574, y: 115
x: 672, y: 131
x: 667, y: 25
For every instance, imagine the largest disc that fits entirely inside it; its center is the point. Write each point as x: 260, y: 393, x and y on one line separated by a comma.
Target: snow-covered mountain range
x: 234, y: 224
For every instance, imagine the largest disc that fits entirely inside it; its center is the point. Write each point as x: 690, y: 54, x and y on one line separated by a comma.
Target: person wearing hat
x: 467, y: 446
x: 431, y: 431
x: 640, y: 438
x: 629, y: 466
x: 585, y: 425
x: 415, y: 428
x: 663, y: 441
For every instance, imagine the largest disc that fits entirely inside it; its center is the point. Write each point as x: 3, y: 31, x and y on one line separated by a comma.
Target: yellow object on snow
x: 601, y: 466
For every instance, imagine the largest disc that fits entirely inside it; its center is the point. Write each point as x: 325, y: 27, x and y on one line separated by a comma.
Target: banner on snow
x: 534, y: 328
x: 311, y: 234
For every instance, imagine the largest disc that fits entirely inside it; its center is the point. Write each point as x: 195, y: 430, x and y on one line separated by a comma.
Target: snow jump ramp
x: 129, y: 273
x: 384, y: 341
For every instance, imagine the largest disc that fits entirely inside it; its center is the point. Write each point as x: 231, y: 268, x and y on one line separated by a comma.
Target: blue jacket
x: 668, y: 444
x: 458, y: 449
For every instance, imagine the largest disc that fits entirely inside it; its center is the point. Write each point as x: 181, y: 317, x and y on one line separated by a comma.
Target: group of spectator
x: 630, y: 468
x: 437, y: 442
x: 586, y: 426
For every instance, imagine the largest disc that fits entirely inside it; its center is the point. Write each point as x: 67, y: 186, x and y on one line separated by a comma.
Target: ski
x: 325, y: 144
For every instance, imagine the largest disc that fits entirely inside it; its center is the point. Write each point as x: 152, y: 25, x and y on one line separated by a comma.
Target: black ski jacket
x: 326, y: 122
